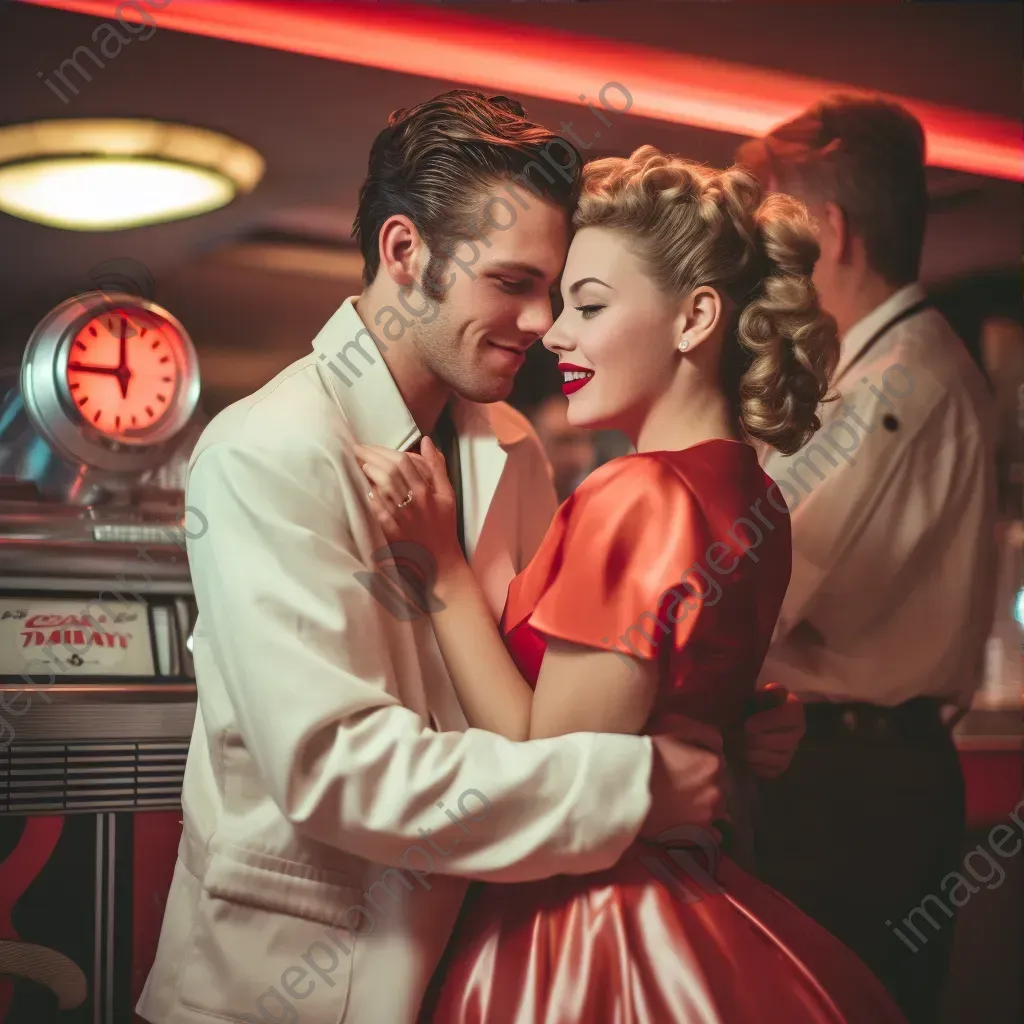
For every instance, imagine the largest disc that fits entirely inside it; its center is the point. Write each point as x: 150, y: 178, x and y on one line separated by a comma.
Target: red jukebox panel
x: 81, y: 903
x: 48, y: 920
x: 89, y: 832
x: 155, y: 836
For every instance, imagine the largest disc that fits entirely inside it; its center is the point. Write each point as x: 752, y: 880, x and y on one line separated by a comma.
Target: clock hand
x: 93, y: 369
x: 123, y: 373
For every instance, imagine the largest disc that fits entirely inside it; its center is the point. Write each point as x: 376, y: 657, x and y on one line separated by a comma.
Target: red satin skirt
x: 663, y: 937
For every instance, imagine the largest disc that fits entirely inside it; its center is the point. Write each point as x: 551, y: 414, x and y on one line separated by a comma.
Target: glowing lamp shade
x: 84, y: 194
x: 111, y: 175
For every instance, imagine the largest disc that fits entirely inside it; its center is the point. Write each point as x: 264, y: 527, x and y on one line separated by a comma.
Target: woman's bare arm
x: 491, y: 690
x: 580, y: 689
x: 583, y: 689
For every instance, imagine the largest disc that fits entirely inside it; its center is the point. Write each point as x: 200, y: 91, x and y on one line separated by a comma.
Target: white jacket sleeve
x: 300, y: 645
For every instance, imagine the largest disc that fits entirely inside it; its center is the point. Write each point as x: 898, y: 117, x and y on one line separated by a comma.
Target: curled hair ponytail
x: 790, y: 342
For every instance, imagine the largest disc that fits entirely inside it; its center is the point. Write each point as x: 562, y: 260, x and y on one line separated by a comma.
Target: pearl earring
x: 684, y: 344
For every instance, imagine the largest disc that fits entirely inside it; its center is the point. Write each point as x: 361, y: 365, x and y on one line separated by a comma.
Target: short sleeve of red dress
x: 611, y: 571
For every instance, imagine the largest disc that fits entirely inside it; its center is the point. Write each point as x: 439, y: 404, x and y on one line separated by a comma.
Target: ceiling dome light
x: 106, y: 175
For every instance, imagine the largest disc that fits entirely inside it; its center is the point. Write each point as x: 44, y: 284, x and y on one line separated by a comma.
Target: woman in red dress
x: 690, y: 324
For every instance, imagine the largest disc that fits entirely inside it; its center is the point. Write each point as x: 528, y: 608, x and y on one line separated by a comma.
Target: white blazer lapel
x: 492, y: 501
x: 482, y: 460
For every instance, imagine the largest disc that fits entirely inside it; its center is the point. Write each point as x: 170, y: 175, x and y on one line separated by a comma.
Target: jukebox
x: 97, y: 691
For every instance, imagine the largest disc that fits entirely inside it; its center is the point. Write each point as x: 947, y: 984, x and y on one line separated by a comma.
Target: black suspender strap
x: 447, y: 442
x: 882, y: 331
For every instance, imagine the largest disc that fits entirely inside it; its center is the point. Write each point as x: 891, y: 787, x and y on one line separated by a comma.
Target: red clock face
x: 124, y: 370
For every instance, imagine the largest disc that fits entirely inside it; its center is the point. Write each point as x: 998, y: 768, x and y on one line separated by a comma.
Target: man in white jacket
x: 335, y: 802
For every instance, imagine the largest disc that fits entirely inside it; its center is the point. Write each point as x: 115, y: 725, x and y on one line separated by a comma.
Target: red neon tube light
x: 478, y: 51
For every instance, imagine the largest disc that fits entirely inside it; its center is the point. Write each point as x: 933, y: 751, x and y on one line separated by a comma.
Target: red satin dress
x: 684, y: 557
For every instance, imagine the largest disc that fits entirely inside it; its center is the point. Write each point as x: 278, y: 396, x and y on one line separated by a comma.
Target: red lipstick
x: 574, y: 383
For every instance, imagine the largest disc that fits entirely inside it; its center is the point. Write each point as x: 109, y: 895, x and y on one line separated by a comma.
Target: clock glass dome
x: 124, y: 370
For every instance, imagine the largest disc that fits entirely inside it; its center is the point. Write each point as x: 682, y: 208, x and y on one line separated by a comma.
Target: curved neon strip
x: 489, y: 54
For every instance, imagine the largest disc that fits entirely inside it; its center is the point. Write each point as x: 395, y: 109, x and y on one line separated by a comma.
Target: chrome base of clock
x: 33, y: 470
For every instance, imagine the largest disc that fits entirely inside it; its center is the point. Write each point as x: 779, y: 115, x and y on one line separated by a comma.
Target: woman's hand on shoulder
x: 412, y: 498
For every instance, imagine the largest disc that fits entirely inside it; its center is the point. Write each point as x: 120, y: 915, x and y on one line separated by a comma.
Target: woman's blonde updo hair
x: 691, y: 226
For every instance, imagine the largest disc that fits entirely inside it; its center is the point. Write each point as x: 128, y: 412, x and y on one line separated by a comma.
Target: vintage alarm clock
x: 110, y: 380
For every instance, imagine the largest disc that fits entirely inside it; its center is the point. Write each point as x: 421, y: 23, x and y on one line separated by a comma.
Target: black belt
x: 920, y: 715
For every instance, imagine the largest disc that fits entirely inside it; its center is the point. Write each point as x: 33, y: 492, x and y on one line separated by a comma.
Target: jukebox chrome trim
x: 84, y: 712
x: 113, y: 750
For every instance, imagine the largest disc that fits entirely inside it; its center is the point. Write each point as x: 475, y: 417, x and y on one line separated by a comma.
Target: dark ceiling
x: 313, y: 120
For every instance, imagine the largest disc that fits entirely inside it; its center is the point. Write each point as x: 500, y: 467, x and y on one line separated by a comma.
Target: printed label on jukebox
x: 74, y: 637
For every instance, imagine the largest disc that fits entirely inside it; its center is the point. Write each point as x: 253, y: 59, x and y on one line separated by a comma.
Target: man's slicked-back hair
x: 867, y: 156
x: 434, y: 162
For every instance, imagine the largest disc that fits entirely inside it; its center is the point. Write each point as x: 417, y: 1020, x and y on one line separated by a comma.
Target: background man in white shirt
x: 891, y: 599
